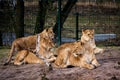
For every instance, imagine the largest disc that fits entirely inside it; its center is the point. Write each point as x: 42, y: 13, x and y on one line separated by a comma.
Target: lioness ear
x: 93, y: 30
x: 82, y: 43
x: 51, y: 28
x: 47, y: 30
x: 83, y: 31
x: 43, y: 31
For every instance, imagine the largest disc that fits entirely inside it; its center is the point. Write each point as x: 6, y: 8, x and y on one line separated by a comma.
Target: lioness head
x: 88, y: 38
x: 78, y: 48
x: 87, y: 35
x: 47, y: 44
x: 51, y: 45
x: 48, y: 33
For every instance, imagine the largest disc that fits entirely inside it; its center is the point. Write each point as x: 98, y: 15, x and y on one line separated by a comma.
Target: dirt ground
x: 109, y: 70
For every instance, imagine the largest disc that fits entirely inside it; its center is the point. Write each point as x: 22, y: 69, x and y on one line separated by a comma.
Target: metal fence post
x: 59, y: 22
x: 77, y: 16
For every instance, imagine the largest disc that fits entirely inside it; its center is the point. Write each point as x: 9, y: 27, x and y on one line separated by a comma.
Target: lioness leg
x: 34, y: 61
x: 32, y: 58
x: 95, y: 62
x: 17, y: 62
x: 98, y: 50
x: 10, y: 55
x: 51, y: 59
x: 59, y: 64
x: 86, y: 65
x: 20, y: 57
x: 63, y: 65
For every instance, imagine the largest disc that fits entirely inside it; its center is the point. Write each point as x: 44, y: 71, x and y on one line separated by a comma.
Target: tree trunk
x: 1, y: 42
x: 64, y: 14
x: 1, y: 20
x: 40, y: 21
x: 19, y: 29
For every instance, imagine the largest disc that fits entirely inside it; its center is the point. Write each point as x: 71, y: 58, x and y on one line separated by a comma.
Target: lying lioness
x: 25, y: 56
x: 88, y: 40
x: 29, y: 43
x: 65, y: 51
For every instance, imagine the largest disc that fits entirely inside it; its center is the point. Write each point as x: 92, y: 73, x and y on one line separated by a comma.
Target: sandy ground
x: 109, y: 70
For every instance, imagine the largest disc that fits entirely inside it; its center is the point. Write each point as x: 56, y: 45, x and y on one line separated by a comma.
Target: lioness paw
x: 95, y: 63
x: 98, y: 65
x: 98, y: 50
x: 101, y: 50
x: 91, y: 67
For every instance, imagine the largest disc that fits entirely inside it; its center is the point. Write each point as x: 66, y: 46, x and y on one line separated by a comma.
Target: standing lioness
x: 29, y: 43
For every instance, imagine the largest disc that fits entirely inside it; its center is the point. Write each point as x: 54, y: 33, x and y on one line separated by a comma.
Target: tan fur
x: 45, y: 52
x: 25, y: 56
x: 29, y: 43
x: 88, y: 39
x: 65, y: 51
x: 46, y: 48
x: 86, y: 59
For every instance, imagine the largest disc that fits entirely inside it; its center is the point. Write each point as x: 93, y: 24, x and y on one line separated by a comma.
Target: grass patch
x: 3, y: 53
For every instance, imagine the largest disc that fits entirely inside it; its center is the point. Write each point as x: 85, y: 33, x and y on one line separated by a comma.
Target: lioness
x: 29, y: 43
x: 25, y: 56
x: 65, y: 51
x: 89, y: 42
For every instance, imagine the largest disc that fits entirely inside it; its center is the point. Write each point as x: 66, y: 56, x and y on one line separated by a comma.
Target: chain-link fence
x: 102, y: 16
